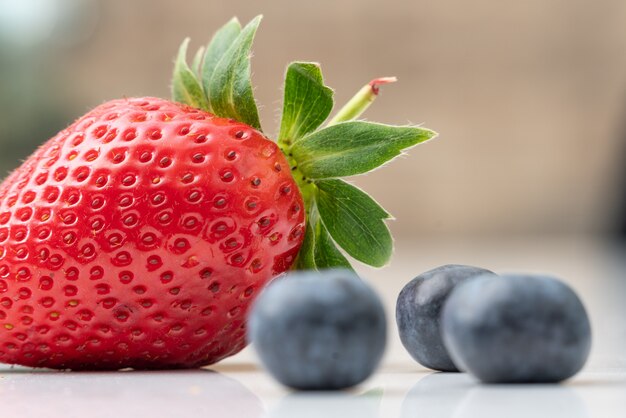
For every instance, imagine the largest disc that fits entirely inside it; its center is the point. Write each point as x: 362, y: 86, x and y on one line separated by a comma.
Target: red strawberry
x: 138, y: 236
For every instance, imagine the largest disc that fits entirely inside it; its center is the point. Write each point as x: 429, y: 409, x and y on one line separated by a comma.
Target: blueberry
x: 516, y: 329
x: 318, y: 330
x: 418, y: 313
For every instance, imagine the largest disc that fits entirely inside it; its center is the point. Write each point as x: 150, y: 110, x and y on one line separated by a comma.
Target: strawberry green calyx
x: 307, y: 103
x: 338, y: 214
x: 185, y: 86
x: 220, y: 80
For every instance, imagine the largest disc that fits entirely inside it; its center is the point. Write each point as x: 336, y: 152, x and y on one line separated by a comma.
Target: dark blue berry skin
x: 516, y: 329
x: 318, y: 330
x: 418, y: 313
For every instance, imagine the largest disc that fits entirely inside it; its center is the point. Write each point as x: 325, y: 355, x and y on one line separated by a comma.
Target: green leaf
x: 185, y: 86
x: 350, y: 148
x: 326, y: 253
x: 307, y: 101
x: 230, y: 89
x: 355, y: 221
x: 318, y: 250
x: 221, y: 41
x: 196, y: 64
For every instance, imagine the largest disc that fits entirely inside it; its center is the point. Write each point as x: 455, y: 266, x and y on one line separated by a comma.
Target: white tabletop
x: 237, y: 387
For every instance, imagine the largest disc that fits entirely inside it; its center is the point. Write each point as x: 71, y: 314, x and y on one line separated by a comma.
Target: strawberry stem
x: 361, y: 100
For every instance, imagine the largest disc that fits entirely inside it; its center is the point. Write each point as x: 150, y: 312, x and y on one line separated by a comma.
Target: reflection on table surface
x: 184, y: 393
x: 248, y: 392
x: 447, y: 395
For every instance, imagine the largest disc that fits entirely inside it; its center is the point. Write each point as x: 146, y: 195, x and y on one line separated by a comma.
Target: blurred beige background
x: 528, y: 96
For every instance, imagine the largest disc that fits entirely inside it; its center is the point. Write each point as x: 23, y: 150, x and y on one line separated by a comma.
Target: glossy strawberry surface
x: 138, y: 237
